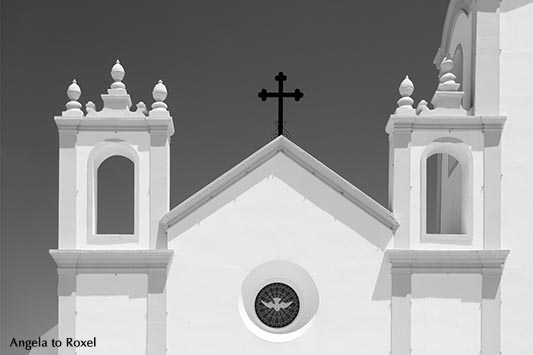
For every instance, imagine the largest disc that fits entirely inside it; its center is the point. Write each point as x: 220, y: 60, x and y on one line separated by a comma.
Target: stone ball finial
x: 421, y: 107
x: 446, y: 76
x: 142, y: 107
x: 160, y: 91
x: 406, y: 87
x: 74, y: 91
x: 405, y: 103
x: 118, y: 72
x: 447, y: 65
x: 160, y: 94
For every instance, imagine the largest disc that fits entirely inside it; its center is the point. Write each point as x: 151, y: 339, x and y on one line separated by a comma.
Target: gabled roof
x: 282, y: 145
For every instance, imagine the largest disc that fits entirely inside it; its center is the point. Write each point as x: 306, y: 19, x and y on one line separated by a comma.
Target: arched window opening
x: 115, y: 206
x: 444, y: 190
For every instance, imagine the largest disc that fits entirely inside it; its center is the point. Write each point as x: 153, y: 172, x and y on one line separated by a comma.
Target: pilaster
x: 67, y: 189
x: 491, y: 312
x: 487, y: 57
x: 66, y: 291
x: 157, y: 312
x: 401, y: 185
x: 159, y: 181
x: 401, y: 312
x: 492, y: 190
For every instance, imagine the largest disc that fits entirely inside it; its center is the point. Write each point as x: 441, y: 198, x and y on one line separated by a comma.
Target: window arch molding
x: 461, y: 152
x: 101, y: 152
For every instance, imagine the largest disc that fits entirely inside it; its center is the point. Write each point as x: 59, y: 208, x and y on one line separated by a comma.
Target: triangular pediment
x: 284, y: 152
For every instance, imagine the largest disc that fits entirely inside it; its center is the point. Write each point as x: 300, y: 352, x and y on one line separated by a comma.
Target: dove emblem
x: 277, y: 305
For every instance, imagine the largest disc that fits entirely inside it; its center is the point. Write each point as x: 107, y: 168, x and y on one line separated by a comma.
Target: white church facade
x: 282, y: 255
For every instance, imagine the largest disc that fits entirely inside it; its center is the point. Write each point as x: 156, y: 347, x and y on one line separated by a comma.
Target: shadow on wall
x: 466, y: 287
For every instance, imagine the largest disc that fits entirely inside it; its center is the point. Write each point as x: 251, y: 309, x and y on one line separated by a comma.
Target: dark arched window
x: 444, y: 195
x: 115, y: 207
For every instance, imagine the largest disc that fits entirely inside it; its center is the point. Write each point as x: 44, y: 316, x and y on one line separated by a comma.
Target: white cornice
x: 282, y: 145
x: 149, y: 124
x: 407, y: 124
x: 447, y: 261
x: 112, y: 260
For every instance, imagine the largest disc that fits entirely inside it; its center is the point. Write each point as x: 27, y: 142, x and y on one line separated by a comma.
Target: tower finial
x: 448, y: 99
x: 405, y: 103
x: 159, y: 94
x: 73, y: 94
x: 117, y: 73
x: 446, y: 76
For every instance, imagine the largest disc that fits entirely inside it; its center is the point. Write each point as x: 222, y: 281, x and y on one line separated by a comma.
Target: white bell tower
x: 113, y: 281
x: 444, y: 190
x: 86, y: 141
x: 444, y: 170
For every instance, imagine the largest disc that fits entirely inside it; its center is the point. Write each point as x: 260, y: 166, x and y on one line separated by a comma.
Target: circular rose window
x: 277, y: 305
x: 279, y: 300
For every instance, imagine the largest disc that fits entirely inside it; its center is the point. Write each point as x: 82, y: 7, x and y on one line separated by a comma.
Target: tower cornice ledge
x: 447, y: 261
x: 126, y: 261
x: 407, y: 124
x: 148, y: 124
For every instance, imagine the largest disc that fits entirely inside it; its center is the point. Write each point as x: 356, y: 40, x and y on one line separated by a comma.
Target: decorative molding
x: 164, y: 124
x: 447, y: 261
x: 284, y: 146
x: 112, y: 260
x: 402, y: 123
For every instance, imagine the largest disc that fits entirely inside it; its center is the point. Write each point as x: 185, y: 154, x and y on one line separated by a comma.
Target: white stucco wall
x: 446, y: 316
x: 112, y: 308
x: 279, y: 212
x: 516, y: 102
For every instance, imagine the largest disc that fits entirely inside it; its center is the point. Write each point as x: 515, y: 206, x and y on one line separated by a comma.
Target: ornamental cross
x: 297, y: 94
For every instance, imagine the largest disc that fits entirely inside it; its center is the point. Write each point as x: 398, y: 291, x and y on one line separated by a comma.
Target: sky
x: 347, y: 57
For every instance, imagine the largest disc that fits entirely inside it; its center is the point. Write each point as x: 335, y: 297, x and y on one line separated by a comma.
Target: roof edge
x: 281, y: 145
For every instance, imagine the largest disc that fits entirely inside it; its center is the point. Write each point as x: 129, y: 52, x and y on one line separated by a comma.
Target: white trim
x: 399, y: 123
x: 447, y: 261
x: 147, y: 124
x: 299, y: 156
x: 127, y: 261
x: 101, y: 152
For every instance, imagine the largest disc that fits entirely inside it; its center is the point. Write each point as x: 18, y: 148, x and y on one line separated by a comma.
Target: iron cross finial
x: 297, y: 95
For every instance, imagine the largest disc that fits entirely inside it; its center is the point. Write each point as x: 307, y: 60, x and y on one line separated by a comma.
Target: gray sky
x: 348, y: 57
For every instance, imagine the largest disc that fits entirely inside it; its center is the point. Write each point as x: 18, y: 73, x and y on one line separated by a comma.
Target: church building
x: 281, y: 255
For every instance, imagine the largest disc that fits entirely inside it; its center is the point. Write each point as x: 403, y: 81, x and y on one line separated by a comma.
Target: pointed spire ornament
x: 405, y: 103
x: 73, y: 94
